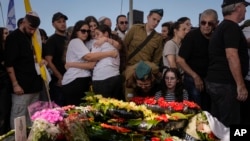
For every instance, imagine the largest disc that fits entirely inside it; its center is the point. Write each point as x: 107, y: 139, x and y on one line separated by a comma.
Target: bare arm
x: 235, y: 68
x: 171, y: 58
x: 54, y: 69
x: 102, y: 40
x: 186, y: 68
x: 17, y: 89
x: 95, y: 56
x: 80, y: 65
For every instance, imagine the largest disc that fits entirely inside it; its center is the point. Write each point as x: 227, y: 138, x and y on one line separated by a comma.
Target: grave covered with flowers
x: 99, y: 118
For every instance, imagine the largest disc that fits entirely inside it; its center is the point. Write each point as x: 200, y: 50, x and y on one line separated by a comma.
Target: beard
x: 61, y: 31
x: 28, y: 34
x: 123, y: 31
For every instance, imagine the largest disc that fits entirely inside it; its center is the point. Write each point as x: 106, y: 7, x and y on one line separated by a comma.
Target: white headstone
x: 20, y: 129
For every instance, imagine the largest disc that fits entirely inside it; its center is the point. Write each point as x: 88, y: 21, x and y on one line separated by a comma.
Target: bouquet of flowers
x: 59, y: 123
x: 203, y: 129
x: 45, y: 125
x: 162, y: 106
x: 199, y: 129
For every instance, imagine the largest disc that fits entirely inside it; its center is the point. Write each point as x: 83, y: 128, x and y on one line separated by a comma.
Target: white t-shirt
x: 89, y: 44
x: 106, y: 67
x: 170, y: 48
x: 76, y: 50
x: 121, y: 34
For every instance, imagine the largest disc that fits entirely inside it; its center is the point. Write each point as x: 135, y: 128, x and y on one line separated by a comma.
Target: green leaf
x: 151, y: 123
x: 178, y: 115
x: 134, y: 122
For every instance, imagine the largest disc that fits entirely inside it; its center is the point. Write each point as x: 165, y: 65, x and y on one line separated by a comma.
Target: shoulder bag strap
x: 140, y: 46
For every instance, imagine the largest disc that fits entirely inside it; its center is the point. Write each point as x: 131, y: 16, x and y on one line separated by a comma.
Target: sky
x: 79, y: 9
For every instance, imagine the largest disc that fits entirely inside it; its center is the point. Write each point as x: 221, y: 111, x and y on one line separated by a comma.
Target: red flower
x: 138, y: 100
x: 168, y: 139
x: 155, y: 139
x: 162, y: 117
x: 191, y: 104
x: 163, y: 103
x: 150, y: 101
x: 116, y: 128
x: 211, y: 135
x: 177, y: 106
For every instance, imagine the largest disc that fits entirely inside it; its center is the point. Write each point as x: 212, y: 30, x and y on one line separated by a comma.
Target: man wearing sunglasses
x: 193, y: 58
x: 228, y: 64
x: 121, y: 26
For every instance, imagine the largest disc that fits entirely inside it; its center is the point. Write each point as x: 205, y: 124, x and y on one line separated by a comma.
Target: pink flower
x: 50, y: 115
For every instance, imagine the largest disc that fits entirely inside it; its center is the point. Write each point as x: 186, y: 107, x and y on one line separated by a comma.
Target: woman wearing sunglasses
x: 79, y: 62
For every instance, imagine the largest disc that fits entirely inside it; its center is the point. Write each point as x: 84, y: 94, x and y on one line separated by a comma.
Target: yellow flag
x: 27, y: 6
x: 37, y: 47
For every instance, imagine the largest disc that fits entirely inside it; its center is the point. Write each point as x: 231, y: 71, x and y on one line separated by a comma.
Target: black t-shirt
x: 2, y: 68
x: 194, y: 50
x: 55, y: 46
x: 227, y: 35
x: 19, y: 54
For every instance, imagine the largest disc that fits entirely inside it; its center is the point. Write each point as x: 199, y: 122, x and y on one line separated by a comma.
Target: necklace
x: 178, y: 45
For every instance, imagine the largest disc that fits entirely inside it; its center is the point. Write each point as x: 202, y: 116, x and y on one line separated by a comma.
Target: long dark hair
x: 76, y: 28
x: 179, y: 85
x: 89, y: 19
x: 176, y: 25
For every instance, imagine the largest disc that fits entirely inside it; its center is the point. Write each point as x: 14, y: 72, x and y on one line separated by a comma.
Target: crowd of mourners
x: 208, y: 64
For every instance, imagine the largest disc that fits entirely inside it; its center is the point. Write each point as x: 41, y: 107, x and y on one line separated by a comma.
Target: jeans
x: 19, y: 107
x: 245, y: 106
x: 225, y: 106
x: 199, y: 97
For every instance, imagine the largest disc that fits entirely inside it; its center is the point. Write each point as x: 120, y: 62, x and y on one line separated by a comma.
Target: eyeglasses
x: 123, y: 22
x: 84, y: 31
x: 170, y: 78
x: 205, y: 22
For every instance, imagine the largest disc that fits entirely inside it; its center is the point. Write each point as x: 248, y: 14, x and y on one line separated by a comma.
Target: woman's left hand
x: 100, y: 41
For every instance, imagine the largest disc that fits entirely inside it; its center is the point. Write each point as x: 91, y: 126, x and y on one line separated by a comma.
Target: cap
x: 229, y: 2
x: 245, y: 24
x: 33, y: 19
x: 58, y: 15
x: 158, y: 11
x: 142, y: 71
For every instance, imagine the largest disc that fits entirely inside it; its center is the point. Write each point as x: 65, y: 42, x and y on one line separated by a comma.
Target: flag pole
x: 130, y: 13
x: 2, y: 13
